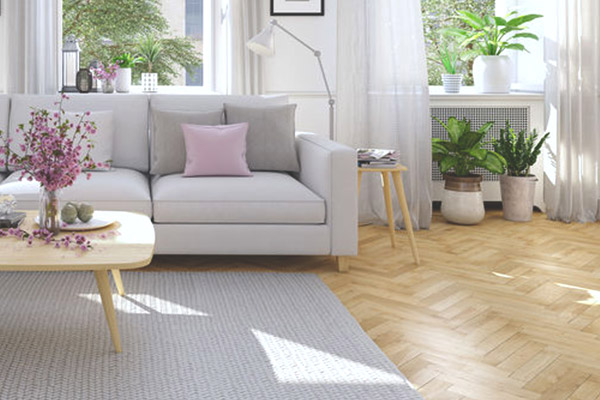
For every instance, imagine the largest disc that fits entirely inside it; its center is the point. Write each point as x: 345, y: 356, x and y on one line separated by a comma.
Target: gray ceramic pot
x: 517, y: 197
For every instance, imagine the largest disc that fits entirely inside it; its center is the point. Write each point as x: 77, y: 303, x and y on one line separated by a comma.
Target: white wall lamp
x: 263, y: 44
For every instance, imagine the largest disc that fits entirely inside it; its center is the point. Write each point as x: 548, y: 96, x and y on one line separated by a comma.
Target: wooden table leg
x: 387, y: 194
x: 118, y: 281
x: 359, y: 179
x: 397, y: 177
x: 109, y: 308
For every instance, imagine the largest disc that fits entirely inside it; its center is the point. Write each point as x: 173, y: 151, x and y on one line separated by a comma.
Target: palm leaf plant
x: 150, y: 48
x: 464, y: 152
x: 492, y: 35
x: 518, y: 149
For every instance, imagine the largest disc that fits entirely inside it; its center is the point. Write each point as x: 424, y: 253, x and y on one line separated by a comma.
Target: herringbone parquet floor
x: 496, y: 311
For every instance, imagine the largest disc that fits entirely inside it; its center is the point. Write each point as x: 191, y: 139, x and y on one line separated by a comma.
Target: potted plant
x: 462, y: 200
x: 150, y: 48
x: 490, y: 36
x: 448, y: 57
x: 518, y: 186
x: 107, y: 75
x: 126, y: 62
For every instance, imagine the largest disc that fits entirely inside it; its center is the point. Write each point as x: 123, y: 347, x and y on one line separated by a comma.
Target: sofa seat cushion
x: 264, y: 198
x: 118, y: 189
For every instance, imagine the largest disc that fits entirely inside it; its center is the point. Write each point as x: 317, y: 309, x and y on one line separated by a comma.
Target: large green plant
x: 109, y: 28
x: 491, y: 35
x: 463, y: 152
x: 439, y: 14
x: 519, y: 150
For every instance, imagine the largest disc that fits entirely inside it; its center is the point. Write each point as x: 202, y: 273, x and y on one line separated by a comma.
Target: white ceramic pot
x: 462, y: 200
x: 452, y: 82
x: 149, y: 82
x: 492, y: 74
x: 518, y: 193
x: 123, y: 81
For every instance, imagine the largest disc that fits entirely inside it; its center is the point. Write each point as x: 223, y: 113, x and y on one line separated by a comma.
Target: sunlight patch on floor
x: 145, y: 304
x: 594, y: 294
x: 293, y: 362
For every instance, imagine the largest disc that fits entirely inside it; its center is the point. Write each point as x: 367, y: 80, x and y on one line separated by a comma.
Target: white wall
x: 294, y: 69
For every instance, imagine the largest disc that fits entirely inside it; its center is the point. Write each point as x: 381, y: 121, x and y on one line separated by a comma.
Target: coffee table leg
x: 109, y: 308
x: 118, y: 281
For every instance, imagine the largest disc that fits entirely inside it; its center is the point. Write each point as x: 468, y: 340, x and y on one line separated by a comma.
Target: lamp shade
x: 262, y: 43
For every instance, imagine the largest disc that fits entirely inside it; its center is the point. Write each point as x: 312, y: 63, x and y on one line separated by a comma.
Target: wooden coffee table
x: 126, y: 244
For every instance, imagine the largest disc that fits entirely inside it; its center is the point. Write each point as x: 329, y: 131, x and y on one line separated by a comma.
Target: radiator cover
x: 519, y: 117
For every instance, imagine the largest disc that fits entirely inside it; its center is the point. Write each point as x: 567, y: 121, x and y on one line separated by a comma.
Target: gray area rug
x: 229, y: 335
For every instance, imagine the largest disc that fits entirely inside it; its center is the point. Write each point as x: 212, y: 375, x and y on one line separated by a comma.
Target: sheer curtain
x: 572, y: 185
x: 383, y: 97
x: 31, y: 44
x: 241, y: 19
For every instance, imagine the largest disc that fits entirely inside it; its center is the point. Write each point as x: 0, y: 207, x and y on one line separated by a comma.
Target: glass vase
x: 49, y: 217
x: 108, y: 85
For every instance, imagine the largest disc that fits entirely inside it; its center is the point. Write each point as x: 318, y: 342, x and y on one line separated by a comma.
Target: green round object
x: 68, y: 214
x: 85, y: 212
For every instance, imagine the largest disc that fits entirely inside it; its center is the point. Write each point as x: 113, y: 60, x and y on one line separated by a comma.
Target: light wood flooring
x: 501, y: 310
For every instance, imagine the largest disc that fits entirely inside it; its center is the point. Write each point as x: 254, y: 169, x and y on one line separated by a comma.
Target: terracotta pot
x: 518, y: 193
x: 462, y: 200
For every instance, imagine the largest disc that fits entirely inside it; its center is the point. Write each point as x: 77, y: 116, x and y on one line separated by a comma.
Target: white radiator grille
x: 519, y: 118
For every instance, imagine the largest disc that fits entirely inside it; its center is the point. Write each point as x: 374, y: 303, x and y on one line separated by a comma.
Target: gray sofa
x: 313, y: 212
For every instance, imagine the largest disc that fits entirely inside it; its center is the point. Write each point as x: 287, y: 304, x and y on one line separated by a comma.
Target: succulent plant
x: 68, y: 214
x: 85, y: 212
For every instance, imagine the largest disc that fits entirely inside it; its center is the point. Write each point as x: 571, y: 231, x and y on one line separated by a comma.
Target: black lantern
x: 84, y: 80
x: 70, y: 64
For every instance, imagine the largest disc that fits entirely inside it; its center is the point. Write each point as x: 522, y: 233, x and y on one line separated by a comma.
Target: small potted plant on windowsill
x: 126, y: 62
x: 518, y: 186
x: 449, y: 57
x: 462, y: 199
x: 150, y: 48
x: 490, y: 36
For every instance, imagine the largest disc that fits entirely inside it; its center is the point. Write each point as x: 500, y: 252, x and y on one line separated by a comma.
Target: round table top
x: 126, y: 244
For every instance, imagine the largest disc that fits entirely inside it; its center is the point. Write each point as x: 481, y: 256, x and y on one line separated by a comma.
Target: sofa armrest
x: 329, y: 169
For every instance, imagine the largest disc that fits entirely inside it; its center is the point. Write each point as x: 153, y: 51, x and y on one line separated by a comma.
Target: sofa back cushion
x: 130, y: 121
x: 167, y: 148
x: 4, y: 109
x: 271, y: 135
x: 103, y: 138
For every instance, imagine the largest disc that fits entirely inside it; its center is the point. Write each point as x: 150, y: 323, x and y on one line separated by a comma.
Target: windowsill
x: 469, y: 93
x: 174, y: 90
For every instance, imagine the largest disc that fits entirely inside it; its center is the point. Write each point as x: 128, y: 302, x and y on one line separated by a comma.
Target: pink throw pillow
x: 215, y: 150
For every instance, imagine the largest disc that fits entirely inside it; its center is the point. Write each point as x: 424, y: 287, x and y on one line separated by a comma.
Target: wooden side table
x: 396, y: 173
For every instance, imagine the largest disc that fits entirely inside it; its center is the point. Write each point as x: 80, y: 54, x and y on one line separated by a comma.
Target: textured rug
x: 227, y: 335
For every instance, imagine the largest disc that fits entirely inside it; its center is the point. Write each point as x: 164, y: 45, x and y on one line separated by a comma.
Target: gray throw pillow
x: 167, y: 149
x: 270, y: 143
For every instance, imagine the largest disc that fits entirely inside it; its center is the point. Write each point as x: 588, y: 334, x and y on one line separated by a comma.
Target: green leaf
x: 500, y: 21
x: 518, y: 21
x: 454, y: 32
x: 526, y: 35
x: 515, y: 46
x: 447, y: 163
x: 471, y: 19
x: 470, y: 139
x: 485, y: 127
x: 438, y: 148
x: 494, y: 163
x: 455, y: 129
x: 479, y: 154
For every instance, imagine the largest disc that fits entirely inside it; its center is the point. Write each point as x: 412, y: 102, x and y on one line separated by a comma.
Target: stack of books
x: 377, y: 158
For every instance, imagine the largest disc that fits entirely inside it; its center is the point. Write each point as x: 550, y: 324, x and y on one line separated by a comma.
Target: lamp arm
x: 317, y: 54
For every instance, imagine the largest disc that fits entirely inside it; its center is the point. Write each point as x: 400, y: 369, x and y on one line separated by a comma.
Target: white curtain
x: 572, y: 185
x: 31, y: 44
x: 238, y: 69
x: 383, y: 97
